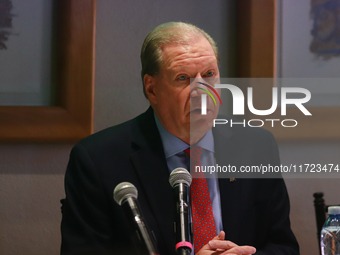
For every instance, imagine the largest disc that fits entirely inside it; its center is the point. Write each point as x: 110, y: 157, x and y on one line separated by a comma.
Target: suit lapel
x: 230, y: 192
x: 150, y: 164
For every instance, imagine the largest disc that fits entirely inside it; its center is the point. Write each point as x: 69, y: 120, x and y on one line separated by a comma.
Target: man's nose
x: 196, y: 86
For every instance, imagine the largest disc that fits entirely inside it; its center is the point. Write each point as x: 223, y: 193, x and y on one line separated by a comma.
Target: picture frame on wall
x: 258, y: 58
x: 71, y: 118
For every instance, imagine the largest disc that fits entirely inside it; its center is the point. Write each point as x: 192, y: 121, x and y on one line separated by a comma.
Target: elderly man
x: 247, y: 216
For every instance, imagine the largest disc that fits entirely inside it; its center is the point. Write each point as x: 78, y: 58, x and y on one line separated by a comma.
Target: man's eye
x: 210, y: 73
x: 182, y: 77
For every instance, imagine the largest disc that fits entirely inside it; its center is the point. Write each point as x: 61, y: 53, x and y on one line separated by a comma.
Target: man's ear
x: 149, y: 85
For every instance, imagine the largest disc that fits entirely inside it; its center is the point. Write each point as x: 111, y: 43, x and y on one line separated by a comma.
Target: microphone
x: 180, y: 180
x: 125, y: 194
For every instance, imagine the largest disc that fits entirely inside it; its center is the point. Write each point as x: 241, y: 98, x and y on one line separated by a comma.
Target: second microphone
x: 180, y: 180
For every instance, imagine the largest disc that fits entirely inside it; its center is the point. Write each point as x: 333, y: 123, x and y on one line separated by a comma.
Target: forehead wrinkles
x: 184, y: 55
x: 199, y: 61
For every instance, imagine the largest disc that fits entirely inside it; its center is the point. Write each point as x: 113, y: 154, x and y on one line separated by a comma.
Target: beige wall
x: 31, y: 180
x: 296, y: 60
x: 301, y: 190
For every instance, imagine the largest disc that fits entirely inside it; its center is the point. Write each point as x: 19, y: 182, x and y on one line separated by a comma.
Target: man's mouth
x: 196, y: 110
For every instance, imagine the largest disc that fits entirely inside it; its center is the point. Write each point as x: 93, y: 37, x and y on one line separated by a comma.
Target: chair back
x: 320, y: 213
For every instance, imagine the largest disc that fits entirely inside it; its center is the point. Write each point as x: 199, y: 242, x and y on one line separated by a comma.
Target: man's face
x: 177, y: 104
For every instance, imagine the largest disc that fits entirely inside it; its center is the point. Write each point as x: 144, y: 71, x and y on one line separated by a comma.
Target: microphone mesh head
x: 124, y: 190
x: 180, y: 175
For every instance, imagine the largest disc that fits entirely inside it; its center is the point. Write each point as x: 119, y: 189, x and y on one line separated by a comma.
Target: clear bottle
x: 330, y: 233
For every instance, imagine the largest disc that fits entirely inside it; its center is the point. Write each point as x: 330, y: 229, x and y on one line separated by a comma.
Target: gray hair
x: 171, y: 32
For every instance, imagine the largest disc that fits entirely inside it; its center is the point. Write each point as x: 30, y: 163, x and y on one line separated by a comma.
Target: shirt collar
x: 207, y: 142
x: 173, y: 145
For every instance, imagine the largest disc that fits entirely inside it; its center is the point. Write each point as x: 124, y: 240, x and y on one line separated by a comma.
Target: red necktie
x: 202, y: 214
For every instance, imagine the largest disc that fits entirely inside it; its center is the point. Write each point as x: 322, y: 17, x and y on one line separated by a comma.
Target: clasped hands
x: 219, y: 246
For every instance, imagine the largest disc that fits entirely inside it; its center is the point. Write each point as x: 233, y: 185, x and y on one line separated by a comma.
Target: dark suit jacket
x: 254, y: 211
